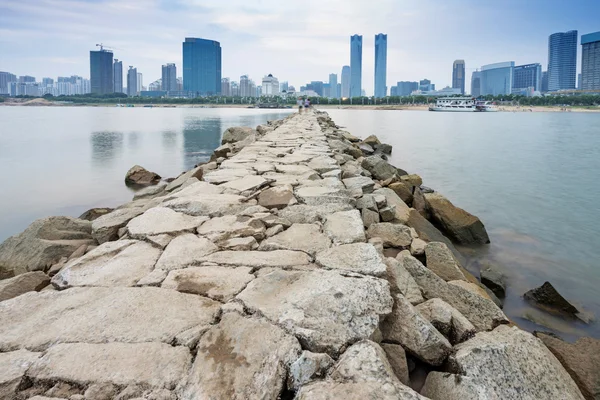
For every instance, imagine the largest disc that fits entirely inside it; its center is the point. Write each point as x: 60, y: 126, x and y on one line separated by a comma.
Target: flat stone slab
x: 185, y: 250
x: 250, y: 182
x: 260, y: 259
x: 220, y: 176
x: 320, y: 195
x: 362, y: 258
x: 36, y: 321
x: 120, y: 263
x: 210, y: 205
x: 106, y: 227
x: 277, y: 197
x: 361, y: 183
x: 230, y: 226
x: 345, y: 227
x: 13, y: 366
x: 158, y: 365
x: 303, y: 237
x: 305, y: 214
x: 197, y: 188
x: 27, y: 282
x: 393, y: 235
x: 218, y: 283
x: 240, y: 358
x: 323, y: 309
x: 161, y: 220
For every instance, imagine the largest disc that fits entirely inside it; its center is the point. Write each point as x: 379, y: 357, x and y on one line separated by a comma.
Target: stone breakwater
x: 263, y: 275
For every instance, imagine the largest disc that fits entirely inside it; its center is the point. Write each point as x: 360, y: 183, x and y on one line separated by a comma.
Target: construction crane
x: 102, y: 46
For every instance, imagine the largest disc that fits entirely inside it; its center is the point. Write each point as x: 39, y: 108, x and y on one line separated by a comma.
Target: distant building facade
x: 458, y: 75
x: 140, y: 83
x: 169, y: 78
x: 6, y: 78
x: 132, y: 80
x: 283, y: 86
x: 118, y: 76
x: 201, y: 67
x: 544, y: 81
x: 26, y: 79
x: 380, y: 65
x: 355, y: 66
x: 316, y: 86
x: 346, y: 76
x: 562, y: 60
x: 225, y: 87
x: 425, y: 85
x: 496, y: 79
x: 333, y: 84
x: 590, y: 61
x: 527, y: 76
x: 270, y: 86
x: 101, y: 72
x: 476, y: 84
x: 405, y: 88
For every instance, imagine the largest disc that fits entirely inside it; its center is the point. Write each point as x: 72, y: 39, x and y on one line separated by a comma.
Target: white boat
x: 485, y: 106
x: 454, y: 104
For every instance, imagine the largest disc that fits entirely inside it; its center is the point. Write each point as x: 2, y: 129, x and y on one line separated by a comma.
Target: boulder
x: 360, y: 183
x: 366, y: 149
x: 106, y: 228
x: 13, y: 367
x: 369, y: 217
x: 350, y: 137
x: 417, y: 247
x: 401, y: 280
x: 162, y: 220
x: 506, y: 363
x: 240, y: 358
x: 393, y: 235
x: 547, y: 298
x: 387, y: 214
x: 27, y: 282
x: 581, y: 360
x: 440, y: 260
x: 277, y: 197
x: 237, y: 133
x: 378, y: 167
x: 372, y: 140
x: 150, y: 192
x: 345, y: 227
x: 138, y: 175
x: 397, y: 359
x: 419, y: 204
x: 401, y: 210
x: 94, y: 213
x: 223, y: 150
x: 412, y: 180
x: 303, y: 237
x: 403, y: 190
x: 383, y: 148
x: 446, y: 319
x: 463, y: 228
x: 197, y: 173
x: 494, y: 280
x: 43, y: 244
x: 479, y: 290
x: 308, y: 367
x: 361, y: 258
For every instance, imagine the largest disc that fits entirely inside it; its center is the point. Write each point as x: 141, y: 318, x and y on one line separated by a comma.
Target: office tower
x: 235, y: 89
x: 26, y: 79
x: 333, y: 86
x: 339, y: 90
x: 496, y: 79
x: 201, y: 66
x: 140, y: 83
x: 380, y: 65
x: 316, y: 86
x: 405, y: 88
x: 283, y: 86
x: 562, y: 60
x: 47, y: 81
x: 544, y: 81
x: 345, y: 81
x: 101, y: 71
x: 326, y: 90
x: 527, y: 76
x: 118, y: 76
x: 270, y: 86
x: 180, y: 84
x: 6, y: 78
x: 253, y: 89
x: 458, y: 75
x: 244, y: 86
x: 578, y: 81
x: 132, y: 80
x: 225, y: 87
x: 425, y: 85
x: 394, y: 91
x: 590, y: 61
x: 476, y: 84
x: 169, y: 77
x: 155, y: 86
x: 355, y: 65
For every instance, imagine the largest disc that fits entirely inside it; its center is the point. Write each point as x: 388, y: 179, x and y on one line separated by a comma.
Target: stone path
x: 258, y: 282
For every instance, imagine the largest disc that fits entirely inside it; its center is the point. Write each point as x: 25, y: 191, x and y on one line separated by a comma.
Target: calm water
x: 532, y: 178
x: 65, y: 160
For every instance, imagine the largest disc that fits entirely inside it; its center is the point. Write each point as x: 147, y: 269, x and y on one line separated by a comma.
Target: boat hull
x: 449, y: 109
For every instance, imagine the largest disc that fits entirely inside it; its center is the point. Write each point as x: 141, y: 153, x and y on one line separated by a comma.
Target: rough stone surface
x: 494, y: 280
x: 13, y: 366
x: 400, y: 279
x: 323, y: 309
x: 506, y: 363
x: 240, y: 358
x: 304, y: 237
x: 548, y: 298
x: 393, y: 235
x: 106, y: 228
x: 447, y: 320
x: 401, y: 210
x: 150, y: 192
x: 239, y: 244
x: 218, y: 283
x: 237, y: 134
x: 403, y: 190
x: 417, y: 247
x: 27, y: 282
x: 419, y: 204
x: 369, y: 217
x: 345, y: 227
x: 277, y: 197
x: 362, y: 258
x: 308, y: 367
x: 229, y: 226
x: 138, y: 175
x: 361, y: 183
x: 441, y: 261
x: 397, y: 359
x: 162, y: 220
x: 211, y: 205
x: 94, y: 213
x: 252, y: 182
x: 185, y: 250
x: 378, y: 167
x: 305, y: 214
x: 260, y: 259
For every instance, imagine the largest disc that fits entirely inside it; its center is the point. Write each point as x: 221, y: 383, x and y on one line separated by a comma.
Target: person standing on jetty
x: 300, y: 102
x: 306, y: 103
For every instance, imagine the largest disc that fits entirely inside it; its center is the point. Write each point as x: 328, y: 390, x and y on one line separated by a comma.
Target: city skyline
x: 44, y: 40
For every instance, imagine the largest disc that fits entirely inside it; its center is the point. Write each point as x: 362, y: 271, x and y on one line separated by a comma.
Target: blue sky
x: 297, y: 41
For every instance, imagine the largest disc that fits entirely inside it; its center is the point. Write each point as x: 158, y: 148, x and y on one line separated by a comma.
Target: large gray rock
x: 43, y: 244
x: 183, y: 178
x: 277, y: 197
x: 547, y: 298
x: 360, y: 183
x: 378, y: 167
x: 441, y: 261
x: 401, y: 210
x: 403, y: 190
x: 345, y: 227
x: 138, y: 175
x: 210, y: 205
x: 185, y: 250
x: 218, y: 283
x: 106, y: 228
x: 94, y: 213
x: 393, y: 235
x: 230, y: 226
x: 321, y: 195
x: 308, y: 367
x: 149, y: 192
x: 401, y: 280
x: 397, y: 358
x: 240, y: 358
x: 361, y: 258
x: 305, y: 214
x: 27, y: 282
x: 237, y: 133
x: 260, y: 259
x: 303, y: 237
x: 323, y: 309
x: 120, y: 263
x: 447, y: 320
x: 13, y: 367
x: 464, y: 228
x: 162, y: 220
x: 98, y: 315
x: 506, y: 363
x: 247, y: 183
x: 493, y: 280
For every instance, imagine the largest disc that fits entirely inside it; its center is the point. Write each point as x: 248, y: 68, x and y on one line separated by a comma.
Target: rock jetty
x: 263, y: 274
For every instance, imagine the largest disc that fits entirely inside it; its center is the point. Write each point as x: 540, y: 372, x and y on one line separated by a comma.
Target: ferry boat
x: 485, y: 106
x: 455, y: 104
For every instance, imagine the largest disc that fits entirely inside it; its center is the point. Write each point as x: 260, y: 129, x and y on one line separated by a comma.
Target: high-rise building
x: 544, y: 81
x: 327, y: 90
x: 458, y: 75
x: 118, y: 76
x: 235, y: 89
x: 6, y: 78
x: 225, y: 87
x: 316, y: 86
x: 47, y: 81
x: 155, y: 86
x: 132, y: 80
x: 527, y: 76
x: 283, y: 86
x: 345, y: 81
x: 380, y: 65
x: 476, y: 84
x: 169, y: 77
x: 26, y: 79
x: 590, y: 61
x: 245, y: 86
x: 140, y: 83
x: 425, y: 85
x: 270, y: 86
x: 578, y: 81
x: 405, y: 88
x: 355, y: 66
x: 496, y: 79
x: 201, y: 66
x: 562, y: 60
x: 333, y: 86
x: 101, y: 71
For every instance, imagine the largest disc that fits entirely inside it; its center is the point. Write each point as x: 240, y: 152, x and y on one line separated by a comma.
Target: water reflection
x: 133, y: 139
x: 105, y: 146
x: 200, y: 138
x: 169, y: 139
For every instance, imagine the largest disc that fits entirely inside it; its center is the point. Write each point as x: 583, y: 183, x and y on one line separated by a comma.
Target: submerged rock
x: 494, y: 280
x: 547, y: 298
x: 138, y: 175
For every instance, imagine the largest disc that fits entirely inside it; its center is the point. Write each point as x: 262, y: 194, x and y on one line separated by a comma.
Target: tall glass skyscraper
x: 118, y: 76
x: 201, y: 67
x: 169, y: 78
x: 458, y: 75
x: 527, y: 76
x: 380, y: 65
x: 562, y: 60
x: 346, y: 81
x: 132, y: 81
x: 476, y: 84
x: 355, y: 65
x: 101, y: 71
x: 590, y: 61
x: 333, y: 86
x: 496, y: 79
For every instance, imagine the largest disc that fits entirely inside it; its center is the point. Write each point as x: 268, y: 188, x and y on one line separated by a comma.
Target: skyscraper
x: 201, y: 66
x: 425, y: 85
x: 527, y: 76
x: 380, y: 65
x: 101, y: 71
x: 169, y: 77
x: 6, y: 78
x: 476, y: 84
x: 140, y: 83
x: 118, y: 76
x: 270, y: 86
x: 132, y: 81
x: 562, y: 60
x: 405, y: 88
x: 496, y: 79
x: 245, y: 86
x: 590, y: 61
x: 283, y: 86
x: 333, y: 86
x: 544, y: 81
x: 458, y: 75
x: 345, y: 81
x: 355, y: 66
x: 225, y: 87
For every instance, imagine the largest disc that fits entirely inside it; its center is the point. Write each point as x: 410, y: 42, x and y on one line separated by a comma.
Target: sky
x: 296, y: 41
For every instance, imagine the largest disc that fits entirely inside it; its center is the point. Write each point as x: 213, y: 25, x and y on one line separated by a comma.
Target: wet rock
x: 94, y: 213
x: 397, y: 359
x: 447, y: 320
x: 106, y: 228
x: 464, y: 228
x: 27, y: 282
x: 400, y: 279
x: 13, y: 367
x: 547, y: 298
x: 403, y: 190
x: 494, y: 280
x: 378, y: 167
x: 138, y: 175
x: 277, y: 197
x: 393, y: 235
x: 304, y: 237
x: 412, y: 180
x: 441, y: 261
x: 237, y: 133
x: 185, y: 250
x: 345, y: 227
x: 217, y: 283
x: 308, y: 367
x: 361, y: 258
